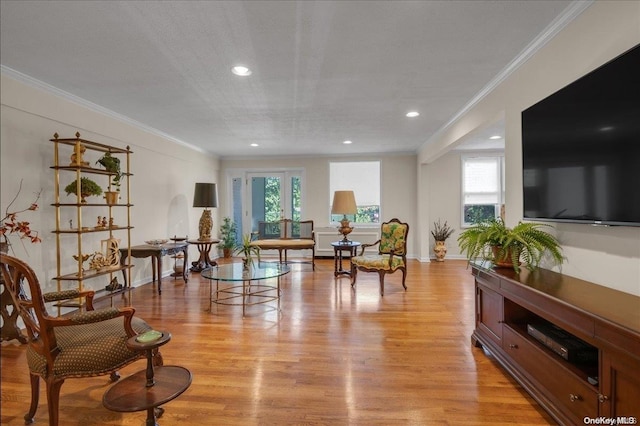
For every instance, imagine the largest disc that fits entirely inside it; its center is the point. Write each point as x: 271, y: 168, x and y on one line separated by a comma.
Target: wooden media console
x: 605, y: 382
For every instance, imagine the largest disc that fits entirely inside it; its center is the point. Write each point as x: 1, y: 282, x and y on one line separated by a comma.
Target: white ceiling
x: 323, y: 72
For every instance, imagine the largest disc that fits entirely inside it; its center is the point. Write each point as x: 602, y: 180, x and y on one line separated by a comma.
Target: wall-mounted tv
x: 581, y: 148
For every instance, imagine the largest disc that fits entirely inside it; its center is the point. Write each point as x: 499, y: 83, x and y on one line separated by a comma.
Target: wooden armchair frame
x: 391, y: 256
x: 57, y: 344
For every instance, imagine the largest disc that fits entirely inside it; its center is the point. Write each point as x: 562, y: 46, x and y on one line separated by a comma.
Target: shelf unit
x: 606, y: 320
x: 81, y: 168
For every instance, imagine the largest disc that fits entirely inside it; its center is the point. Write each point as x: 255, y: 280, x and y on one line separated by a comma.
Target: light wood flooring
x: 331, y: 356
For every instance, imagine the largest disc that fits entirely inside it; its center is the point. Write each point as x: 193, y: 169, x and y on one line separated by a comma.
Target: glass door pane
x: 266, y: 200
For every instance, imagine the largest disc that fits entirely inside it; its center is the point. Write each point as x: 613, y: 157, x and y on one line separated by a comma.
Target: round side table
x: 338, y: 248
x: 150, y: 388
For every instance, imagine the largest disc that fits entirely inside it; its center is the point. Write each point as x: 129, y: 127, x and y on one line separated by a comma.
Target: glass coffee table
x: 245, y: 287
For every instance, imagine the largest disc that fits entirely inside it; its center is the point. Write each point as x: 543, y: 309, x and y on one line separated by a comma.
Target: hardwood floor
x: 332, y: 356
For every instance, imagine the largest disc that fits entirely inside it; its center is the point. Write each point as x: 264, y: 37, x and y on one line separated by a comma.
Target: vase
x: 111, y: 197
x: 440, y: 250
x: 246, y: 263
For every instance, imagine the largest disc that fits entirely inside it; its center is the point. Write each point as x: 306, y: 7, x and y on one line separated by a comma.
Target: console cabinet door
x: 620, y: 381
x: 489, y: 311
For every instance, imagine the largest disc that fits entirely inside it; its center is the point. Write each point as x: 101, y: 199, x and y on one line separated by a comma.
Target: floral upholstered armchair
x: 391, y: 256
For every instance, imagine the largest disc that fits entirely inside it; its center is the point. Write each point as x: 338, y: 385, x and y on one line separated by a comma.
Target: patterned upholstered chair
x: 91, y: 343
x: 391, y: 256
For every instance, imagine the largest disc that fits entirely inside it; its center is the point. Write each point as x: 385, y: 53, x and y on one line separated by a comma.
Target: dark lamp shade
x: 205, y: 195
x: 344, y: 202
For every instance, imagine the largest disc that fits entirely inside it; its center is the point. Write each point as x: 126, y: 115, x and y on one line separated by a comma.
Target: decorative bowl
x: 156, y: 242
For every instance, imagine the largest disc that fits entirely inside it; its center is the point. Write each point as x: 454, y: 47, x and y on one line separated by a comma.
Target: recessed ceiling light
x: 241, y: 70
x: 495, y: 137
x: 254, y: 144
x: 347, y: 142
x: 412, y: 114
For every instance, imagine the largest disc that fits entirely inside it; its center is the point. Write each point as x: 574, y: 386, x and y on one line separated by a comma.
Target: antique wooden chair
x: 391, y: 256
x: 90, y: 343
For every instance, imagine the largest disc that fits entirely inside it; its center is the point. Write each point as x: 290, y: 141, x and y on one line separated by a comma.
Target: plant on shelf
x: 507, y: 247
x: 248, y: 250
x: 228, y: 232
x: 112, y: 165
x: 11, y: 225
x: 87, y: 188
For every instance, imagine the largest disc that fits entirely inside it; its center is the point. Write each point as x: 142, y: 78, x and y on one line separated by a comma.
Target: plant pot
x: 226, y: 253
x: 111, y: 197
x: 440, y: 250
x: 504, y: 261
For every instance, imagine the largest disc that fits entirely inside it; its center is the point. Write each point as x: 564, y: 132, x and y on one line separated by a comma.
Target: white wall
x: 398, y: 188
x: 607, y: 256
x: 162, y: 185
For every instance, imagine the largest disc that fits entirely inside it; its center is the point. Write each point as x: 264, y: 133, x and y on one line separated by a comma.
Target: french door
x: 266, y: 196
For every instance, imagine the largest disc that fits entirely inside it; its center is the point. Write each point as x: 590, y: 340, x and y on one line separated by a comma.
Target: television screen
x: 581, y: 148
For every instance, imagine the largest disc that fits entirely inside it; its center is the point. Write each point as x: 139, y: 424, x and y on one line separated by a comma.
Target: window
x: 482, y: 188
x: 363, y: 178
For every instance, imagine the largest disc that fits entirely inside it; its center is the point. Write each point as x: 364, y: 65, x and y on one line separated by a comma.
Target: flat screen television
x: 581, y: 148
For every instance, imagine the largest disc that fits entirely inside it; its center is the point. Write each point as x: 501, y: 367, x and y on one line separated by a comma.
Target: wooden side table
x: 156, y: 253
x: 150, y: 388
x: 338, y: 248
x: 204, y: 262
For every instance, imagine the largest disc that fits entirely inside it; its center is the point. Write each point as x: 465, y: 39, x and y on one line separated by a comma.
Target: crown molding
x: 40, y: 85
x: 569, y: 14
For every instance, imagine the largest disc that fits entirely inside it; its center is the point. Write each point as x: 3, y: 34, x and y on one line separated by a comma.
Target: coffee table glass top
x: 257, y: 271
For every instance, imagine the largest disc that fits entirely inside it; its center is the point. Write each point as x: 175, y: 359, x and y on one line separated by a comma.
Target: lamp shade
x: 344, y: 202
x: 205, y: 195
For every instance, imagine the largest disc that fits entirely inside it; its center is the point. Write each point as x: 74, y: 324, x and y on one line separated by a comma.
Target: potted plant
x: 440, y: 234
x: 248, y: 250
x: 112, y: 165
x: 87, y: 188
x: 228, y: 232
x: 507, y: 247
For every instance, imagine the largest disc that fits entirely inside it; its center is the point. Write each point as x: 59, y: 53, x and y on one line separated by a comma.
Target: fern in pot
x: 526, y: 243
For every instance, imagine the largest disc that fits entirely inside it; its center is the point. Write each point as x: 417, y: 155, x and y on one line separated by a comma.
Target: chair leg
x: 35, y: 396
x: 381, y: 275
x: 158, y: 361
x: 354, y: 272
x: 404, y: 276
x: 53, y: 400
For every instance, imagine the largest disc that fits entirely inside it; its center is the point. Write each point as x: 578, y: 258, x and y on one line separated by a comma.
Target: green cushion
x: 393, y: 238
x: 378, y: 262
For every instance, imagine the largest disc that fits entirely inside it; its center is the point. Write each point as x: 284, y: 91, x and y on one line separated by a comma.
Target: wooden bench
x: 284, y: 235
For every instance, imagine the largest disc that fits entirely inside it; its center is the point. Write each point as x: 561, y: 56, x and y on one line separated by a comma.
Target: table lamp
x: 205, y: 195
x: 344, y: 203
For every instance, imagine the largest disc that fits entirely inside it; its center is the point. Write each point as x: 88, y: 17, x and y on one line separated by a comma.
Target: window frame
x: 500, y: 190
x: 346, y: 186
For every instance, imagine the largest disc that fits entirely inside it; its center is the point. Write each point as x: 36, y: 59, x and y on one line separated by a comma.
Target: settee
x: 284, y: 235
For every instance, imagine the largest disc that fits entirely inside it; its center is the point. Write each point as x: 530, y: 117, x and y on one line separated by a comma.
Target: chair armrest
x: 95, y: 316
x: 364, y: 246
x: 91, y: 317
x: 55, y: 296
